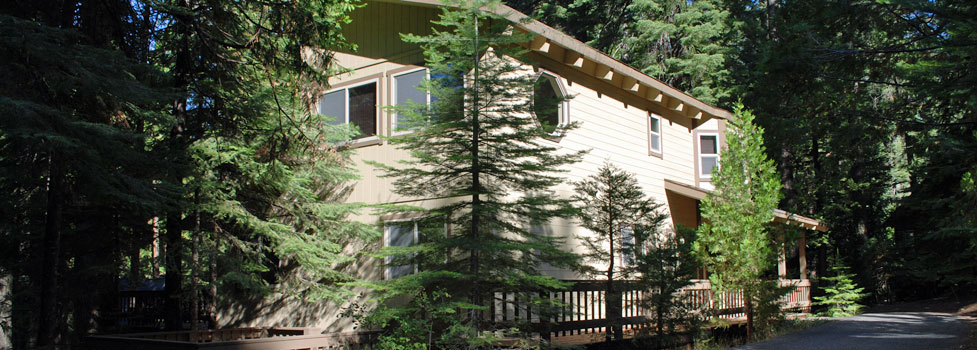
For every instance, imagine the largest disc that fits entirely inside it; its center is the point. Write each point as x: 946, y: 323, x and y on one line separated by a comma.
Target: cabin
x: 670, y: 140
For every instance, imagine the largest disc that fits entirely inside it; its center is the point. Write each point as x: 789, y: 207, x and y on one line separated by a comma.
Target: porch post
x: 802, y: 254
x: 782, y: 259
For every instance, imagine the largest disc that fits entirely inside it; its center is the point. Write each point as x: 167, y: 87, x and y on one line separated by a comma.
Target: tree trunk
x: 787, y: 175
x: 660, y: 326
x: 51, y: 258
x: 157, y: 248
x: 212, y: 301
x: 613, y: 301
x: 174, y: 271
x: 178, y: 146
x: 476, y: 297
x: 194, y: 275
x: 748, y: 305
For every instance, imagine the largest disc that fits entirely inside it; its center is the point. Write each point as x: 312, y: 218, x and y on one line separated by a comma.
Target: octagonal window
x: 549, y: 103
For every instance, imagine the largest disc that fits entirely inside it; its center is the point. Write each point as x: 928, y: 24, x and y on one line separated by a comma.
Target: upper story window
x: 407, y: 89
x: 708, y: 154
x: 655, y: 134
x: 398, y: 234
x: 549, y: 102
x: 355, y: 105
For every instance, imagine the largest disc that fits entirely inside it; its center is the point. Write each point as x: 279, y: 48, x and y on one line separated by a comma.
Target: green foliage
x: 479, y: 146
x: 250, y: 155
x: 843, y: 295
x: 193, y: 114
x: 682, y: 43
x: 768, y: 312
x: 72, y: 160
x: 427, y: 321
x: 734, y: 243
x: 665, y: 265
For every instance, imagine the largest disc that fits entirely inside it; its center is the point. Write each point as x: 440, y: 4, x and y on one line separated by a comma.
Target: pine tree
x: 191, y: 112
x: 615, y: 209
x: 684, y: 44
x: 665, y: 266
x: 842, y: 296
x: 247, y: 153
x: 72, y: 158
x: 479, y: 145
x: 734, y: 243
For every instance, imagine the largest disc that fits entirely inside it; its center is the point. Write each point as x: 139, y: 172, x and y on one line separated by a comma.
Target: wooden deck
x: 249, y: 338
x: 581, y: 320
x: 583, y: 315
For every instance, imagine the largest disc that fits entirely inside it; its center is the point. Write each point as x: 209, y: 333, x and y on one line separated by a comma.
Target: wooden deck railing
x: 584, y: 310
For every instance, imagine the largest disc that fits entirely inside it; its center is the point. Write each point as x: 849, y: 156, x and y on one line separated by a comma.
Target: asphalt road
x: 881, y: 331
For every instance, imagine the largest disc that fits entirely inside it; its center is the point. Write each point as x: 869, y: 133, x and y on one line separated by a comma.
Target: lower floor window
x: 399, y: 234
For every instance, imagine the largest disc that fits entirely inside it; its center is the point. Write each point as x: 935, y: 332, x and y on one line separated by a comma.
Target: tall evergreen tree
x: 71, y: 157
x: 614, y: 208
x: 685, y: 44
x: 480, y: 146
x: 240, y: 74
x: 734, y: 243
x: 935, y: 227
x: 224, y: 148
x: 821, y: 108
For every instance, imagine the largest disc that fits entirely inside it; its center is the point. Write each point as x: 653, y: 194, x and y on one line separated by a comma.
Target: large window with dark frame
x: 355, y: 105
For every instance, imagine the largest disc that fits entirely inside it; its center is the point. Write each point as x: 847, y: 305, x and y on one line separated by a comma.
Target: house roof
x: 570, y: 52
x: 782, y: 216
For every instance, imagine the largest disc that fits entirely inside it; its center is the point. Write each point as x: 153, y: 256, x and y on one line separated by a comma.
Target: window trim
x: 661, y: 140
x: 564, y: 107
x: 698, y: 156
x: 386, y: 236
x: 345, y: 86
x: 392, y: 115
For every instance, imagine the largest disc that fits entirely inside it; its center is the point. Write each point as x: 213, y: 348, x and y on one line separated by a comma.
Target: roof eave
x: 630, y: 80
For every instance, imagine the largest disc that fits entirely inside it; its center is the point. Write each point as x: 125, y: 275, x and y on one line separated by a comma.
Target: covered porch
x: 683, y: 205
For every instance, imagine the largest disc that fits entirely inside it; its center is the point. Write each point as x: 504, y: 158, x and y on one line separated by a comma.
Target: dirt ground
x: 964, y: 306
